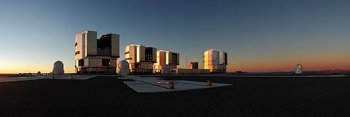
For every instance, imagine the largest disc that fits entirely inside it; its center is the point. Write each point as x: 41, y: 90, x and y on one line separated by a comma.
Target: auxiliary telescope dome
x: 58, y: 68
x: 123, y: 68
x: 298, y: 69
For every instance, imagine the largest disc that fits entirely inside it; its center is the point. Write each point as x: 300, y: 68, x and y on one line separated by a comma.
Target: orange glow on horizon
x: 285, y: 65
x: 277, y: 64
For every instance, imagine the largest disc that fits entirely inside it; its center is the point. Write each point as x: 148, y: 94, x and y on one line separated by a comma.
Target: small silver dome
x: 298, y: 69
x: 123, y: 68
x: 58, y: 68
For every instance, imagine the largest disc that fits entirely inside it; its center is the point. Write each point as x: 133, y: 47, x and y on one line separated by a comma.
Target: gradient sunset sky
x: 258, y: 35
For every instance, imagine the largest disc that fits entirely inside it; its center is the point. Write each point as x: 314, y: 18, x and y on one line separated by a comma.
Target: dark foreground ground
x: 249, y: 97
x: 7, y: 75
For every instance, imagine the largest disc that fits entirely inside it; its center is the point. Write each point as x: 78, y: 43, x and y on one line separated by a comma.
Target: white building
x: 215, y: 61
x: 94, y: 55
x: 166, y: 59
x: 140, y: 58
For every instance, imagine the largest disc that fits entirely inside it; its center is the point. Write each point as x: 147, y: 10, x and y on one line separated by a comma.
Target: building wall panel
x: 115, y: 45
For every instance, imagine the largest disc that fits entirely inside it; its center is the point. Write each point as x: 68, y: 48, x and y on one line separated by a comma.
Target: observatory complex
x: 99, y: 55
x: 94, y: 55
x: 215, y: 61
x: 140, y: 58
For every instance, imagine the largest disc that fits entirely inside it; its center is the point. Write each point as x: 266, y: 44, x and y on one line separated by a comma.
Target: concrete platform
x: 295, y: 76
x: 13, y: 79
x: 73, y: 77
x: 59, y: 77
x: 156, y: 85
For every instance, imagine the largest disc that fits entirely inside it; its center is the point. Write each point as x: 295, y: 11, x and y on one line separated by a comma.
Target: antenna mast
x: 186, y: 63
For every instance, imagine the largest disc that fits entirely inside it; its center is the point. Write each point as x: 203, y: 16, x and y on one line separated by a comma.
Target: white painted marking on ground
x: 153, y: 85
x: 144, y: 87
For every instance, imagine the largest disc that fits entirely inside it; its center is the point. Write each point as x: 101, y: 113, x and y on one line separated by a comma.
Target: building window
x: 174, y: 58
x: 77, y: 52
x: 149, y: 54
x: 105, y: 62
x: 81, y: 62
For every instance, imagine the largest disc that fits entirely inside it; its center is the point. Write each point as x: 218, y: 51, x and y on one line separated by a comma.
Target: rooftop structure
x: 140, y: 58
x: 215, y: 61
x: 94, y: 55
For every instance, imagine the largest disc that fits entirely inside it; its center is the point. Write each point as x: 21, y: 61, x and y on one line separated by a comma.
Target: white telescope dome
x: 123, y: 68
x: 58, y: 68
x: 298, y: 69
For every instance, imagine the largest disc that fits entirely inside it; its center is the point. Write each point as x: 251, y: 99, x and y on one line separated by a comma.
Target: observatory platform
x: 59, y: 77
x: 13, y: 79
x: 156, y: 85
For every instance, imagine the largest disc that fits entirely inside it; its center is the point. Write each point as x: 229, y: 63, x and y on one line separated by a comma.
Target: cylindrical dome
x: 123, y: 68
x: 58, y: 68
x: 298, y: 69
x: 123, y: 64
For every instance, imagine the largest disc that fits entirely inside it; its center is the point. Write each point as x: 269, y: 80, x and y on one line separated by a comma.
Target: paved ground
x: 108, y: 96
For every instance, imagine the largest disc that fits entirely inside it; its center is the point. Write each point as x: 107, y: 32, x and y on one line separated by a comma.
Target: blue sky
x: 268, y: 35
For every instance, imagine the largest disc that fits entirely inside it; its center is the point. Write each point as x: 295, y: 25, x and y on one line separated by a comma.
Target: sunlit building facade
x: 166, y: 59
x: 94, y: 55
x: 140, y: 58
x: 215, y: 61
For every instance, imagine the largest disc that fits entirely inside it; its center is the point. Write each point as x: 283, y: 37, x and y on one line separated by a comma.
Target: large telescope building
x: 140, y: 58
x: 215, y: 61
x: 166, y: 59
x: 94, y: 55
